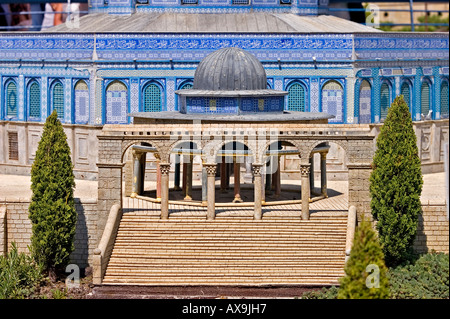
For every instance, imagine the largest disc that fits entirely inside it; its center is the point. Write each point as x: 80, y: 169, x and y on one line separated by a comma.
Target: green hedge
x: 426, y: 277
x: 19, y: 275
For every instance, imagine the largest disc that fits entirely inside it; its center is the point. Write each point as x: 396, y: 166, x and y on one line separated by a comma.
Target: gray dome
x: 230, y: 69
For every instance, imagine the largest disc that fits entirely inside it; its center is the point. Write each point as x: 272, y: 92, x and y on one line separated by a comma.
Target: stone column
x: 136, y: 187
x: 177, y: 173
x: 304, y: 170
x: 311, y: 174
x: 268, y: 175
x: 165, y: 170
x: 237, y: 182
x: 223, y: 175
x: 258, y: 190
x: 277, y: 179
x: 158, y: 181
x: 184, y: 175
x: 323, y: 173
x: 248, y: 177
x: 189, y: 179
x: 204, y: 186
x: 211, y: 173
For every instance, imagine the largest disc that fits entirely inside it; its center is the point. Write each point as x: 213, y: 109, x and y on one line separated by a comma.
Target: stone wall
x: 82, y: 140
x: 433, y: 229
x: 16, y: 227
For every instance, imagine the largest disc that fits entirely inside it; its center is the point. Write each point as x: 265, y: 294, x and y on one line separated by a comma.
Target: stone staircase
x: 229, y: 251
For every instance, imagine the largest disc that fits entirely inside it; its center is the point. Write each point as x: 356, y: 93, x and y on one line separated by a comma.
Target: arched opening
x: 296, y: 97
x: 365, y: 102
x: 425, y: 101
x: 116, y: 103
x: 444, y: 100
x: 185, y: 158
x: 385, y: 101
x: 234, y: 172
x: 329, y: 179
x: 11, y: 99
x: 152, y: 100
x: 57, y: 99
x: 405, y: 90
x: 34, y: 101
x: 333, y: 101
x: 81, y: 93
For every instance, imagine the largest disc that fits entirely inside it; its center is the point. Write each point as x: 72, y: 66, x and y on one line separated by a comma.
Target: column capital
x: 304, y: 169
x: 323, y: 155
x: 137, y: 154
x: 256, y: 168
x: 164, y: 168
x: 210, y: 168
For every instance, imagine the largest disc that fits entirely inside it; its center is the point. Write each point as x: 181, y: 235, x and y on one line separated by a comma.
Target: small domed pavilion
x: 230, y: 86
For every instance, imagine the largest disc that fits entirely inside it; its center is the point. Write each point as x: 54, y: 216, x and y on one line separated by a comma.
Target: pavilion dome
x: 230, y: 69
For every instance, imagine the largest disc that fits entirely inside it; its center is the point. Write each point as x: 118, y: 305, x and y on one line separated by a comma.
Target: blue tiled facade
x: 231, y: 105
x: 169, y: 60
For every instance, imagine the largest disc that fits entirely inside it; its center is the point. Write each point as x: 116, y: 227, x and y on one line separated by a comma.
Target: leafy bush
x: 396, y: 184
x: 52, y: 209
x: 366, y: 257
x: 324, y: 293
x: 426, y: 278
x: 19, y: 275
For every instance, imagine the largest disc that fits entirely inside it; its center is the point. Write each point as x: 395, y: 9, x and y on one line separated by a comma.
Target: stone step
x: 249, y: 272
x: 201, y: 262
x: 211, y: 248
x: 228, y: 251
x: 220, y: 241
x: 228, y: 281
x: 224, y: 254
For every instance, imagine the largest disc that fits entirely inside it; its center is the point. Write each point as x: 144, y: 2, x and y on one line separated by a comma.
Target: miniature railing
x: 103, y: 252
x: 351, y: 227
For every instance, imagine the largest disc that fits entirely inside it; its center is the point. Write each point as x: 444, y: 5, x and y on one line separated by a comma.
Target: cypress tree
x: 366, y: 272
x: 52, y: 209
x: 396, y: 184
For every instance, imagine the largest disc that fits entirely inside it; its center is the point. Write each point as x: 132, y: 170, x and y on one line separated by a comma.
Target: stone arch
x: 211, y: 149
x: 127, y: 144
x: 247, y: 145
x: 269, y: 143
x: 308, y: 150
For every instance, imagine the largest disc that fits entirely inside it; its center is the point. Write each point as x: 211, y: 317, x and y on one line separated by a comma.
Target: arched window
x: 34, y: 101
x: 81, y: 102
x: 365, y: 102
x: 296, y: 98
x: 405, y: 90
x: 11, y: 99
x: 186, y: 85
x: 444, y: 100
x: 116, y: 103
x: 152, y: 98
x: 425, y: 98
x: 58, y: 99
x: 385, y: 100
x: 333, y: 101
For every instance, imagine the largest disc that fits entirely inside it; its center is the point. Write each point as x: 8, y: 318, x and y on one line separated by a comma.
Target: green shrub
x: 324, y: 293
x: 426, y: 278
x: 19, y: 275
x: 365, y: 270
x: 396, y: 184
x: 52, y: 209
